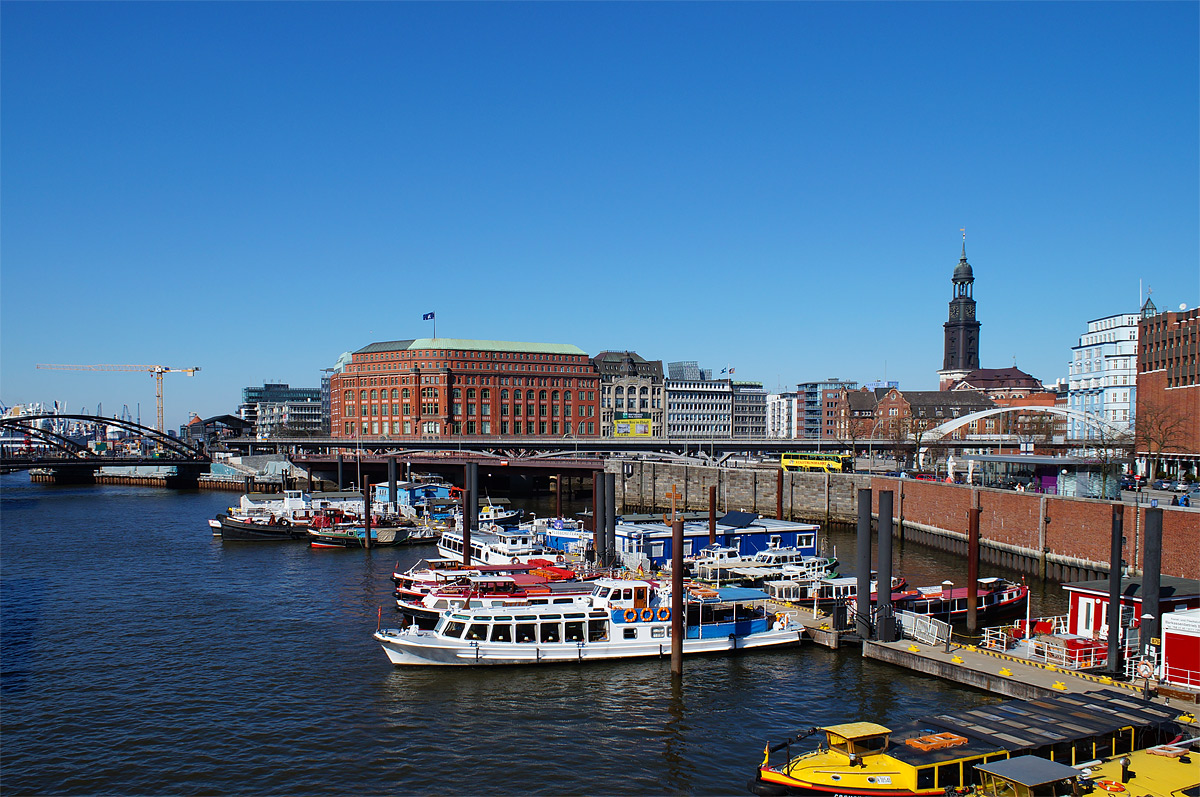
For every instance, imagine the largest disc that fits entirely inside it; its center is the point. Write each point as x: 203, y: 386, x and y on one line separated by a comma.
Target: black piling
x: 1116, y: 667
x: 862, y: 614
x: 677, y: 618
x: 600, y: 535
x: 973, y: 570
x: 366, y: 488
x: 610, y: 517
x: 392, y: 497
x: 885, y: 621
x: 712, y: 514
x: 1151, y: 584
x: 341, y: 473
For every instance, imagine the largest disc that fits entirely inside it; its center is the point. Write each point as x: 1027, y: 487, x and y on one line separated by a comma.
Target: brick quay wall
x: 1048, y: 536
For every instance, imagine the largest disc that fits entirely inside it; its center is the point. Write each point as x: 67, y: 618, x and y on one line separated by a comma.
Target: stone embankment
x: 1049, y: 536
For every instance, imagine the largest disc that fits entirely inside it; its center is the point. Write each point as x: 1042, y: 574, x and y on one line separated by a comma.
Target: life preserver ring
x: 647, y: 614
x: 1145, y: 669
x: 664, y: 613
x: 630, y: 615
x: 516, y: 560
x: 559, y: 559
x: 284, y: 522
x: 1110, y: 785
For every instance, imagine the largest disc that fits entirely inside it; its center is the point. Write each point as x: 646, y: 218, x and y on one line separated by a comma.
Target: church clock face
x: 953, y: 312
x: 970, y: 311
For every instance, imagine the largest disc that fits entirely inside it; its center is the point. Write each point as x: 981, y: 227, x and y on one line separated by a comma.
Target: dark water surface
x: 140, y: 655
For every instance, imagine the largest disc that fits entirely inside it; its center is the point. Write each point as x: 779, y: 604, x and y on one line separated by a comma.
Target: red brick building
x: 444, y: 388
x: 1167, y: 412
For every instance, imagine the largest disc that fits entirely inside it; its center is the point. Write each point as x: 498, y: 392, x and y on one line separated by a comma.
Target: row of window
x: 553, y: 428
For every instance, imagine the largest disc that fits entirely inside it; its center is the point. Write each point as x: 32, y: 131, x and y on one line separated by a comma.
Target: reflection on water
x: 141, y: 655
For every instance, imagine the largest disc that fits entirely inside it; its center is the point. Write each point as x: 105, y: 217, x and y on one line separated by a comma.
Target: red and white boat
x: 995, y: 598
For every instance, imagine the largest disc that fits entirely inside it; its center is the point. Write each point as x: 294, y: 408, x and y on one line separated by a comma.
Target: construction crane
x: 157, y: 370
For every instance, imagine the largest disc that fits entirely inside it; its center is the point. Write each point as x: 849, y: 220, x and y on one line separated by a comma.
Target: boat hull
x: 380, y: 538
x: 412, y: 646
x: 233, y: 530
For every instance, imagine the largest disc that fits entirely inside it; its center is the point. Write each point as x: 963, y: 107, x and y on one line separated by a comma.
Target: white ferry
x: 493, y: 545
x: 723, y: 563
x: 622, y: 619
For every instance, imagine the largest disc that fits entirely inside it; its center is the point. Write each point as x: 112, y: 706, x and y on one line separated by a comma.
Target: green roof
x: 472, y: 345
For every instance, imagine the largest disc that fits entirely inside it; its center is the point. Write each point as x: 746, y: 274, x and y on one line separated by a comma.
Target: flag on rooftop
x: 427, y: 317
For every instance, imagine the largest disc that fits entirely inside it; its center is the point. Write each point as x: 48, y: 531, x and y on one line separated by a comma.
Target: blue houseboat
x: 648, y: 545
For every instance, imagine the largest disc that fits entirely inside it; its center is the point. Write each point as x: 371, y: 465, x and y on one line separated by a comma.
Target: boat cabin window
x: 925, y: 778
x: 550, y: 632
x: 870, y: 744
x: 970, y: 774
x: 597, y: 630
x: 502, y: 632
x: 838, y: 743
x: 454, y: 629
x: 601, y: 592
x: 658, y: 632
x: 477, y: 631
x: 564, y: 600
x: 631, y: 633
x: 574, y: 632
x: 948, y: 775
x: 526, y: 632
x: 998, y: 786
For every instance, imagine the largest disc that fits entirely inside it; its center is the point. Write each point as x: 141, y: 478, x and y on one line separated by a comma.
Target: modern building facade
x: 1102, y: 374
x: 632, y: 391
x: 279, y: 404
x: 961, y: 355
x: 443, y: 388
x: 1167, y: 412
x: 749, y: 406
x: 820, y: 407
x: 714, y: 409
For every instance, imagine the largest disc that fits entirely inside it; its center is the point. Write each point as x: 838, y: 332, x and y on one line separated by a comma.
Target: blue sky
x: 775, y: 187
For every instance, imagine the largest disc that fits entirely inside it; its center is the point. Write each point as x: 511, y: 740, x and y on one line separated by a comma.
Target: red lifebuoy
x: 664, y: 613
x: 647, y: 614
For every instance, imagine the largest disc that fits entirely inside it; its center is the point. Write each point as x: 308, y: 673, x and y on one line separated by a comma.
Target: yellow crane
x: 157, y: 370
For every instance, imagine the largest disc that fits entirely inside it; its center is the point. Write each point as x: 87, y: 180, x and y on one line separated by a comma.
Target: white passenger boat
x: 493, y: 545
x: 622, y: 619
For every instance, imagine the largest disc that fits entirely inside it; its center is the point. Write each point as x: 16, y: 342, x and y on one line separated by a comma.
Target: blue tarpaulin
x: 741, y: 594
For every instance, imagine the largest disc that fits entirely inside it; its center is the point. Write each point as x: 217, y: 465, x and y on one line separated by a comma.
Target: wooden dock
x: 977, y: 667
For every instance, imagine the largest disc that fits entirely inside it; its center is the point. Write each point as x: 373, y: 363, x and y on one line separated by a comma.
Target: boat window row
x: 1071, y: 753
x: 528, y: 629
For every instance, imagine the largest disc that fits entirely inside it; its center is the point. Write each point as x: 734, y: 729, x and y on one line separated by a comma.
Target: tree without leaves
x: 1159, y: 426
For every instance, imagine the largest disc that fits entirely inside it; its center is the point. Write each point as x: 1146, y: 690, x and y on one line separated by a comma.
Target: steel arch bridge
x: 24, y: 424
x: 1111, y: 431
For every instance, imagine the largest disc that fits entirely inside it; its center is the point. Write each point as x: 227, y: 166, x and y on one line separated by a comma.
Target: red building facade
x: 1167, y: 413
x: 446, y: 388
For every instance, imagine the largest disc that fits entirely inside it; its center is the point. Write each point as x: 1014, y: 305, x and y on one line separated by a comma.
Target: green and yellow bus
x: 823, y: 463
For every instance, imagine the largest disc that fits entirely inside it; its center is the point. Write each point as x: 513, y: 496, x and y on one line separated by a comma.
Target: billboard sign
x: 632, y: 424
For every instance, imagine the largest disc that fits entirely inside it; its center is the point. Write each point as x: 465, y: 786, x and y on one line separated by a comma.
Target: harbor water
x: 141, y: 655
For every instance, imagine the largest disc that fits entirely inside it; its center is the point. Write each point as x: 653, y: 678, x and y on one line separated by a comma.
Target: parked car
x: 1129, y: 483
x: 1183, y: 487
x: 925, y: 477
x: 1163, y: 484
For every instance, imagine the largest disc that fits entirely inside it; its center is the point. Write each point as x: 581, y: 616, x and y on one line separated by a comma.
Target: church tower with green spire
x: 962, y: 329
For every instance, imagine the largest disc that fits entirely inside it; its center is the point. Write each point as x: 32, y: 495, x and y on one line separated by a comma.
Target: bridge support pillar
x: 187, y: 477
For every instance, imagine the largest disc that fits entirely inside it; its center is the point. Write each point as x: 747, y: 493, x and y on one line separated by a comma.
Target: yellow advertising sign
x: 628, y: 424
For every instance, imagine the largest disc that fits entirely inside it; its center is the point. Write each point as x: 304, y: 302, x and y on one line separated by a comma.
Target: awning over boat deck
x: 734, y: 594
x: 1028, y: 770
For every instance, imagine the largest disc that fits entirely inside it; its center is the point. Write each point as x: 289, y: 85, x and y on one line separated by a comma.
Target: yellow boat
x: 940, y: 754
x: 1170, y: 770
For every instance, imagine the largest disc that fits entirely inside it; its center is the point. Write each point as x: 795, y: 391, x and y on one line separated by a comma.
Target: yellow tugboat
x: 940, y: 755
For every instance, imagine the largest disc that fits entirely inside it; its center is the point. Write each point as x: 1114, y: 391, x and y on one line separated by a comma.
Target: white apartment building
x: 784, y: 415
x: 1103, y: 374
